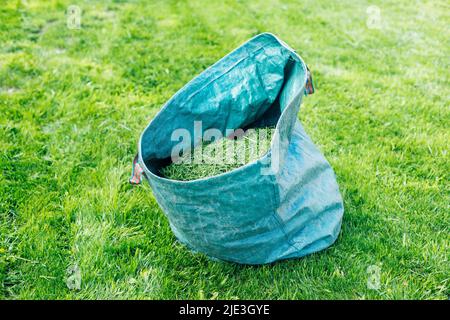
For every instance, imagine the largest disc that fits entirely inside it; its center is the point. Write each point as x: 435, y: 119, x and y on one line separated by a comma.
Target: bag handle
x: 309, y: 85
x: 136, y: 171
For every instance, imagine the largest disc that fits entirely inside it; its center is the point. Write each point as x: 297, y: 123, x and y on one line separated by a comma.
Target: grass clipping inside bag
x: 213, y: 158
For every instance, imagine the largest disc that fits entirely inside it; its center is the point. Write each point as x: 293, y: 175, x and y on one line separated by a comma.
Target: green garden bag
x: 284, y: 205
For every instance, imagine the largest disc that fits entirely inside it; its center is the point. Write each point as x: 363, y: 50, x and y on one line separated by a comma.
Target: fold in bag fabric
x: 284, y: 205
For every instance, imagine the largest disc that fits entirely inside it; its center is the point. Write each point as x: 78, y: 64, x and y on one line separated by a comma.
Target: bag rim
x: 149, y: 173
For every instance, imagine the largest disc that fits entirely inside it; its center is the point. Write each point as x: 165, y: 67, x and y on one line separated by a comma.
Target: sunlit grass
x: 74, y: 101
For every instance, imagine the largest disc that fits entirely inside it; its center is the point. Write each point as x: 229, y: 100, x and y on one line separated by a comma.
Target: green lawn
x: 74, y: 101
